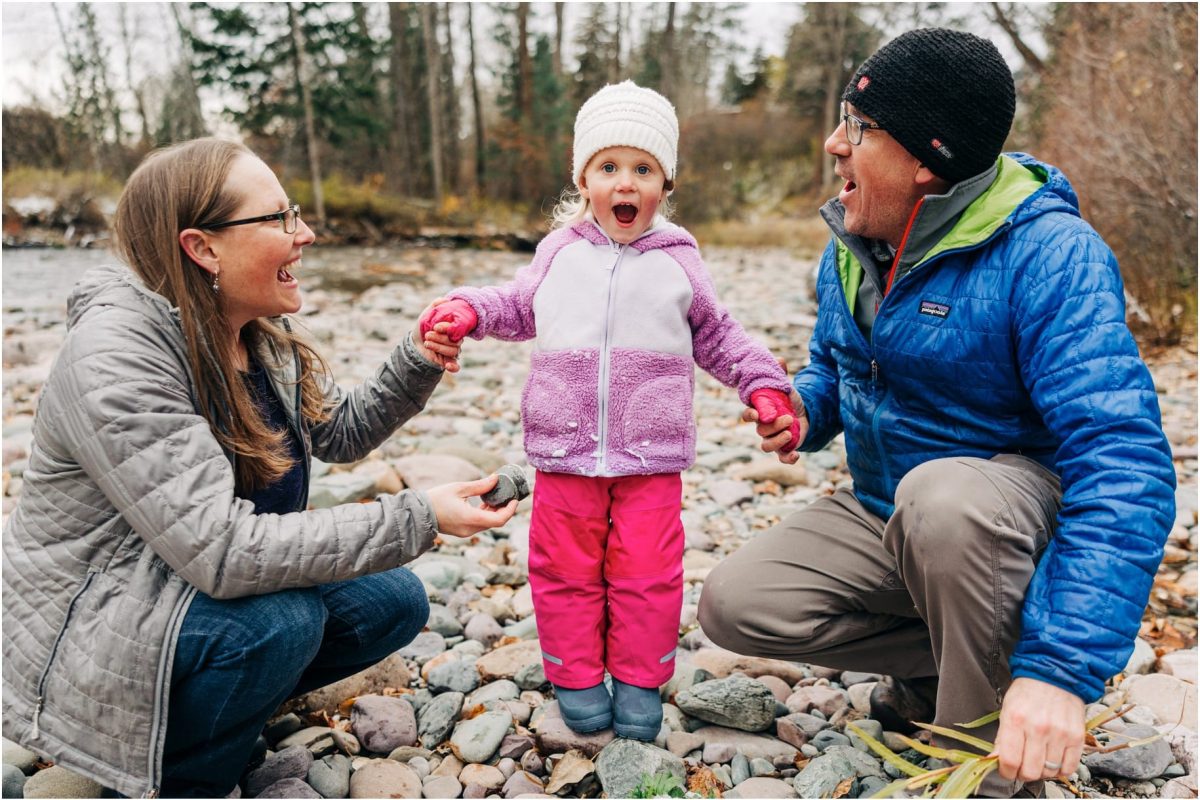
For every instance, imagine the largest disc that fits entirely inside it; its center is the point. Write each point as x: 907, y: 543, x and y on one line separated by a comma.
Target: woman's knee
x: 281, y: 630
x: 383, y: 611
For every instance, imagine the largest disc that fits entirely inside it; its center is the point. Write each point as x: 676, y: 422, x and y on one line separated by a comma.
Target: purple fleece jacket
x: 618, y: 329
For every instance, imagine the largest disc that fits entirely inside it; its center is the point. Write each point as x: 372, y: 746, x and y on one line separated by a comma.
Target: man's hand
x: 1041, y: 731
x: 776, y: 435
x: 457, y: 517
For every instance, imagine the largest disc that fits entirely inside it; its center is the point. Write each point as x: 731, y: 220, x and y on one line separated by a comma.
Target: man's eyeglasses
x: 856, y: 125
x: 288, y: 218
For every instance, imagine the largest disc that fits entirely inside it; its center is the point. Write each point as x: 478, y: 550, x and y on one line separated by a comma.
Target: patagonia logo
x: 939, y: 310
x: 863, y: 83
x: 936, y: 144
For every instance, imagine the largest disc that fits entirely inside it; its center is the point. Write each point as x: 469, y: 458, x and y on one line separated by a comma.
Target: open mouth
x: 625, y: 213
x: 283, y: 276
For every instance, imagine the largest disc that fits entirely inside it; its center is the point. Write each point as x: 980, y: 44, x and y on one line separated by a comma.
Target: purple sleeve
x: 506, y: 312
x: 720, y: 345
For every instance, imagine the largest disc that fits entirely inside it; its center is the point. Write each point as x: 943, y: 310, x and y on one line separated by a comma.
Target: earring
x: 217, y: 282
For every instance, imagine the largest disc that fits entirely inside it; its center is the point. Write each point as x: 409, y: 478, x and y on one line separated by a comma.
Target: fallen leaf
x: 704, y: 782
x: 573, y: 768
x: 843, y: 788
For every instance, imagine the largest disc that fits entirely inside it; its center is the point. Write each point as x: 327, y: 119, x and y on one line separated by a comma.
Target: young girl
x: 622, y: 307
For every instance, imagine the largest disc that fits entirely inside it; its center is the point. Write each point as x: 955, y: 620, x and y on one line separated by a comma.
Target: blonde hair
x: 179, y: 187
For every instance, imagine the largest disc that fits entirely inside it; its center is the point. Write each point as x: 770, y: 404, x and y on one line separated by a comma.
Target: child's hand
x: 780, y: 425
x: 432, y: 338
x: 455, y: 318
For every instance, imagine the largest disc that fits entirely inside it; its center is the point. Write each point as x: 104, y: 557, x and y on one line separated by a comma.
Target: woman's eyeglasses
x: 288, y: 218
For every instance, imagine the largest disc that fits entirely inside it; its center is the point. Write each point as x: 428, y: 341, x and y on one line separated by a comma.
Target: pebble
x: 18, y: 756
x: 385, y: 778
x: 1138, y: 763
x: 442, y: 786
x: 382, y: 724
x: 59, y: 781
x: 736, y: 702
x: 476, y: 740
x: 456, y: 675
x: 290, y: 762
x: 14, y: 781
x: 330, y: 776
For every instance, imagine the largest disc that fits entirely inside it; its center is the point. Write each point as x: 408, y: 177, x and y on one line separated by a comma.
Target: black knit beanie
x: 946, y: 96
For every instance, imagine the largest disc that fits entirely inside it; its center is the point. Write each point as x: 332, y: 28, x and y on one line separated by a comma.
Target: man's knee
x: 938, y: 502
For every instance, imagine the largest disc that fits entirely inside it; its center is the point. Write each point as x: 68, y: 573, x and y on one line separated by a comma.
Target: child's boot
x: 585, y: 710
x: 637, y: 711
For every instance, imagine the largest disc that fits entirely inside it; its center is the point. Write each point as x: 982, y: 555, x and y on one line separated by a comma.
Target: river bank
x: 474, y: 715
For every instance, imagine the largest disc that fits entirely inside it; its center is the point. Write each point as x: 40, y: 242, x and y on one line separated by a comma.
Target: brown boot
x: 896, y: 704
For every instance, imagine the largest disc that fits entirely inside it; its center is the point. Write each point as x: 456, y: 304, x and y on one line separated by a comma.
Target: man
x: 1012, y: 485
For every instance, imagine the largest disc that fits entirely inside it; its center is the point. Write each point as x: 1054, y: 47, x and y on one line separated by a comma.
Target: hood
x: 115, y: 286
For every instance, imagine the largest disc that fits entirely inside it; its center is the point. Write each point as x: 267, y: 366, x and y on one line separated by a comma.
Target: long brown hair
x: 180, y: 187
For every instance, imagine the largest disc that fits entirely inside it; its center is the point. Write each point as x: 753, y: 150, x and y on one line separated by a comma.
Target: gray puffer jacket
x: 128, y: 510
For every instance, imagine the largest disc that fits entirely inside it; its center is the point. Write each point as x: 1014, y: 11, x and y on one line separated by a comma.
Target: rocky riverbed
x: 464, y: 711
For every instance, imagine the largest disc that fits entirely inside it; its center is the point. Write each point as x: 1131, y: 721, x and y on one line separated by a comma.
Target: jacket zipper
x: 36, y: 732
x: 161, y: 682
x: 605, y: 357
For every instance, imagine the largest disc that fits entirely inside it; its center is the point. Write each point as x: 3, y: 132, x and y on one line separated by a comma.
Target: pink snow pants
x: 606, y: 571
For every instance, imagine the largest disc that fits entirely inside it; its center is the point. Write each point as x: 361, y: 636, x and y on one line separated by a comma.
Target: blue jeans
x: 238, y: 660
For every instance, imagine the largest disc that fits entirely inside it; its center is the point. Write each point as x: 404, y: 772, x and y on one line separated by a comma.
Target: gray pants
x: 935, y: 590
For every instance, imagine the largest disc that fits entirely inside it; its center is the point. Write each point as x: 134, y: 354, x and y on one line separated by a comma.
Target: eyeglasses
x: 856, y: 125
x: 288, y: 218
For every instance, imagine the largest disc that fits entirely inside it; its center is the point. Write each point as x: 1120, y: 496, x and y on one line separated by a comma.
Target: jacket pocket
x: 559, y: 402
x: 62, y: 630
x: 657, y: 425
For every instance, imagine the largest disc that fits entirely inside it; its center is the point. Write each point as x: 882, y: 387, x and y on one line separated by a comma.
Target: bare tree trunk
x: 401, y: 163
x: 524, y: 65
x: 193, y: 92
x: 480, y: 171
x: 433, y: 64
x: 453, y: 125
x: 310, y: 129
x: 138, y: 99
x: 614, y: 64
x: 668, y: 59
x: 833, y: 84
x: 558, y: 39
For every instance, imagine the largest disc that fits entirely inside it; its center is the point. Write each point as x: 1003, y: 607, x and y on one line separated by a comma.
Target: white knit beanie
x: 626, y: 115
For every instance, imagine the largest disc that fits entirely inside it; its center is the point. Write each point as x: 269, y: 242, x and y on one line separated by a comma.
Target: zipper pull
x: 874, y: 371
x: 37, y: 712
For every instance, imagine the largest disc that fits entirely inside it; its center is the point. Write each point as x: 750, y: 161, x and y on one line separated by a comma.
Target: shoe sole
x: 639, y: 732
x: 590, y: 724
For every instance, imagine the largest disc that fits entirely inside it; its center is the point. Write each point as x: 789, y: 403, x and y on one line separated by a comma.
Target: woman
x: 164, y: 588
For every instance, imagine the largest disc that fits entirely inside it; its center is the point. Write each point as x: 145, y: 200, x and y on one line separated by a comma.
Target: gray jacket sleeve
x: 363, y: 417
x: 118, y: 404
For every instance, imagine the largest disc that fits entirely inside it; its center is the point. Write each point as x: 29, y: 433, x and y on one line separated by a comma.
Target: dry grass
x: 806, y: 234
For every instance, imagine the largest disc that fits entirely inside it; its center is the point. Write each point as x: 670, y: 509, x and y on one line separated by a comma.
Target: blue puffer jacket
x: 1009, y: 336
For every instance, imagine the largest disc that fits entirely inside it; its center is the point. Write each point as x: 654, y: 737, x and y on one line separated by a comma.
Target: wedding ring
x: 1053, y: 766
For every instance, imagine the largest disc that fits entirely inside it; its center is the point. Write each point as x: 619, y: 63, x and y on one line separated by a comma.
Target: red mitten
x: 458, y: 313
x: 771, y: 404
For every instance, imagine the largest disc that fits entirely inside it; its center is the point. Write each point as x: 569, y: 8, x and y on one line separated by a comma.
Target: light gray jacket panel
x: 128, y: 507
x: 650, y: 303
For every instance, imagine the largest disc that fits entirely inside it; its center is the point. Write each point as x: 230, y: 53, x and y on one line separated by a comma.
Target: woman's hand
x: 436, y: 345
x: 457, y: 517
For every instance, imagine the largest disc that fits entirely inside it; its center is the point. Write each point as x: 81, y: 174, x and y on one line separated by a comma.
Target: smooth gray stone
x: 330, y: 776
x: 828, y: 738
x: 871, y: 728
x: 437, y: 717
x: 441, y: 621
x: 484, y: 629
x: 739, y: 769
x: 824, y: 773
x: 762, y: 788
x: 454, y: 676
x: 762, y: 768
x: 425, y: 646
x: 496, y: 690
x: 282, y: 727
x: 623, y: 763
x: 531, y: 677
x: 476, y: 740
x: 14, y: 781
x: 1136, y: 763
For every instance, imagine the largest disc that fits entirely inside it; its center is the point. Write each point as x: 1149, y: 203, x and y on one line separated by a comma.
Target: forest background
x: 393, y: 121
